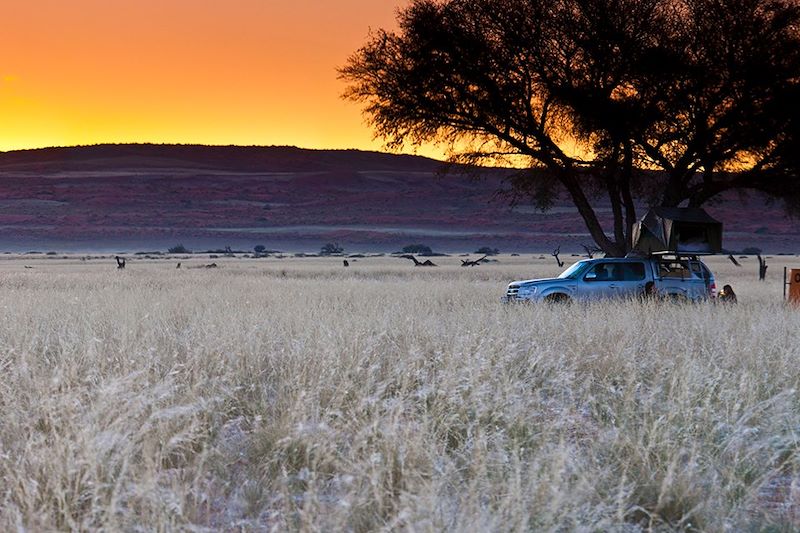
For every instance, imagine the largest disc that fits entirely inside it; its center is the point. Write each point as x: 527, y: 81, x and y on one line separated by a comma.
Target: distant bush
x: 178, y: 249
x: 486, y: 250
x: 420, y: 249
x: 224, y: 251
x: 331, y: 248
x: 259, y: 248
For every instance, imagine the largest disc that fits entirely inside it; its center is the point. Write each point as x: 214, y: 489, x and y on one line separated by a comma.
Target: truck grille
x: 512, y: 291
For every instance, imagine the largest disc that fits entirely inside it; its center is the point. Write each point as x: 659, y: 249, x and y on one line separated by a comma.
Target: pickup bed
x: 677, y: 277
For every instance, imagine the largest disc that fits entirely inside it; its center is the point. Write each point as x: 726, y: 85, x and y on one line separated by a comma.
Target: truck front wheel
x: 557, y: 298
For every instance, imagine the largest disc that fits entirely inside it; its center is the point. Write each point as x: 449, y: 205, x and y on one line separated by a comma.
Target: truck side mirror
x: 590, y: 276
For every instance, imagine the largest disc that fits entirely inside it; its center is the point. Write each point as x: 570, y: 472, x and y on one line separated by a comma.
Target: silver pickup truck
x: 676, y: 277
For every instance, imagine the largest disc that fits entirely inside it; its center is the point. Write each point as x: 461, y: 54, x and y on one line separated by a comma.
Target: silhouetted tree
x: 594, y: 96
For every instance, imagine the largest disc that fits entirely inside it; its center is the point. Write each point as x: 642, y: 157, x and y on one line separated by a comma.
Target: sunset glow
x: 179, y: 71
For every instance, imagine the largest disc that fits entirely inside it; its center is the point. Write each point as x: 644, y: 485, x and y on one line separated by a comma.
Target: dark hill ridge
x: 231, y: 158
x: 145, y: 196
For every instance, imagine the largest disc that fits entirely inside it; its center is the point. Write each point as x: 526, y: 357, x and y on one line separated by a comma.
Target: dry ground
x: 297, y: 394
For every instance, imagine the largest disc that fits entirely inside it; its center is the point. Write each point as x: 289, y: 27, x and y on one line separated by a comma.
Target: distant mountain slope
x: 118, y: 197
x: 231, y: 158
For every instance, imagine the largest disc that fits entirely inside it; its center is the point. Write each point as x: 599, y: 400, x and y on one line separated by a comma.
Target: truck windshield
x: 574, y: 271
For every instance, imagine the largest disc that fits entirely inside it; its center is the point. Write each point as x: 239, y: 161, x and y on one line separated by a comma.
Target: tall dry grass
x: 300, y: 395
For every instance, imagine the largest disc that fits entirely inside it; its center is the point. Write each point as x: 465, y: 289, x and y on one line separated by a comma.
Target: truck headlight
x: 529, y: 289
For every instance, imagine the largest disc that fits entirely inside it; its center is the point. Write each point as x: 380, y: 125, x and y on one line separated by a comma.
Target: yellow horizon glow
x: 249, y: 72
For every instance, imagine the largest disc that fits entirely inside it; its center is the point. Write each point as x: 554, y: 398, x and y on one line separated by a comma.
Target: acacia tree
x: 670, y: 102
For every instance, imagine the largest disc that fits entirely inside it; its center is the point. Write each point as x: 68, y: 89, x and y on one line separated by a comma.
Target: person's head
x: 727, y: 294
x: 727, y: 290
x: 650, y: 287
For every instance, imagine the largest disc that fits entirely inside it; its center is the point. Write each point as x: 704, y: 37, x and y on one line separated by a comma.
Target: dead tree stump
x: 762, y: 268
x: 555, y: 254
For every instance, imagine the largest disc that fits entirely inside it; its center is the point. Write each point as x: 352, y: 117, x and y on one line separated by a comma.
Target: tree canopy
x: 663, y: 102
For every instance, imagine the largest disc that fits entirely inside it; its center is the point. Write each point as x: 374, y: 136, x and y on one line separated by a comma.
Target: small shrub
x: 419, y: 249
x: 178, y: 249
x: 259, y: 248
x: 331, y: 248
x: 486, y: 250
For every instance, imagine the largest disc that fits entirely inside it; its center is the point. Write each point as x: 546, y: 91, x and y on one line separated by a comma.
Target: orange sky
x: 182, y: 71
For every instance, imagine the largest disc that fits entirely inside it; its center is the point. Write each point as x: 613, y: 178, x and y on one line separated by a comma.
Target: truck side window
x: 600, y: 272
x: 634, y: 271
x: 699, y: 270
x: 618, y: 272
x: 675, y: 269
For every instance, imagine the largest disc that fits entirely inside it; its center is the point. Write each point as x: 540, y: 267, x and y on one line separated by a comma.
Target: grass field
x: 297, y: 394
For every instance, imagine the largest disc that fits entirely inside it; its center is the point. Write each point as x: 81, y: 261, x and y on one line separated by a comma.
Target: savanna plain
x: 297, y: 394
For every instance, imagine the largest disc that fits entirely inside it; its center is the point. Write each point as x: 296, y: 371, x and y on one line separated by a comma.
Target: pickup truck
x: 676, y: 277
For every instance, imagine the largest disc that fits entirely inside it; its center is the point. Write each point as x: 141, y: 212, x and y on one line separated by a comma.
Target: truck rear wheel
x: 677, y: 298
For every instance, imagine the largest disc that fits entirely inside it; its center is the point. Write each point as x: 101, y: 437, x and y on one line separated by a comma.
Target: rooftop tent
x: 677, y: 229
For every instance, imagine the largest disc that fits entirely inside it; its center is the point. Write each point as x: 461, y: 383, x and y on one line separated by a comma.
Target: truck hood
x: 540, y: 281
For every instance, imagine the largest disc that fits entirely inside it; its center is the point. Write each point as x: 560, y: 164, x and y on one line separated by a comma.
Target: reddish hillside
x: 129, y: 197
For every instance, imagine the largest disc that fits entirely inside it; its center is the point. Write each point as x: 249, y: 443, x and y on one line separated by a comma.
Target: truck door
x: 597, y: 281
x: 677, y: 279
x: 613, y: 280
x: 629, y: 279
x: 701, y: 272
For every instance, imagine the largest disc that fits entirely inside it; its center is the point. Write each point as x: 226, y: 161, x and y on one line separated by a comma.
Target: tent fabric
x: 677, y: 229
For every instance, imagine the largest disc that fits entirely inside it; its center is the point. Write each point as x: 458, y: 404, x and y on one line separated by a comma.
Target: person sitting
x: 726, y: 295
x: 650, y: 291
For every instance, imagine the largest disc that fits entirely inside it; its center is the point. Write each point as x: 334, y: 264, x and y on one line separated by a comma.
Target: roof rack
x: 669, y: 254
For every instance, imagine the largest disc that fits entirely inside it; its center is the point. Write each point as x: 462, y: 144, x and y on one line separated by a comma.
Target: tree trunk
x: 627, y: 197
x: 585, y: 209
